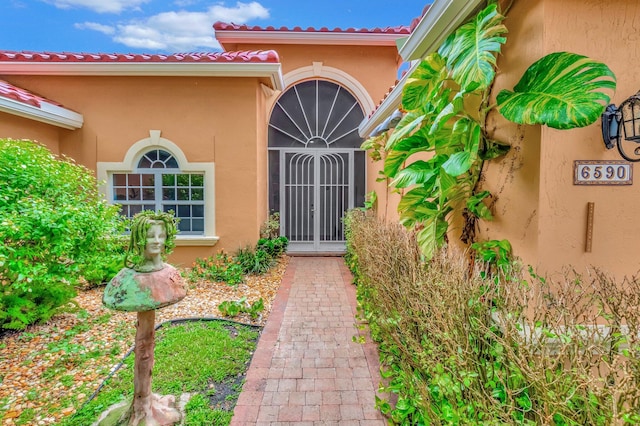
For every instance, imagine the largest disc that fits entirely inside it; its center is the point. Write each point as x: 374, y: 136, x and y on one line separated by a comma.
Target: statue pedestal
x: 147, y: 408
x: 162, y: 412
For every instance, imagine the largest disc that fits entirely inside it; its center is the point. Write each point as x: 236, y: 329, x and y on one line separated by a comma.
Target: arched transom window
x: 315, y: 114
x: 157, y: 183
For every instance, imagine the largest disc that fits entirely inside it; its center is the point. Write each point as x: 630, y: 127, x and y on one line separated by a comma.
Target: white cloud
x: 100, y: 6
x: 181, y: 31
x: 184, y: 3
x: 105, y: 29
x: 239, y: 14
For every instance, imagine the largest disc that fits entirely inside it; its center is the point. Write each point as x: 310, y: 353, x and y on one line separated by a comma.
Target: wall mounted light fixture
x: 621, y: 123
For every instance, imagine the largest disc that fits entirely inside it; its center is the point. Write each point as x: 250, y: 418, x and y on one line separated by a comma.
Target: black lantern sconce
x: 622, y: 122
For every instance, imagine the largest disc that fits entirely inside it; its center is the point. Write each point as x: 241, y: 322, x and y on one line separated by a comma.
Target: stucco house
x: 275, y: 122
x: 270, y: 124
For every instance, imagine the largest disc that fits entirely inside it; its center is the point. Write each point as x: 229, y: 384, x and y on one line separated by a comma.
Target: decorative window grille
x: 158, y: 184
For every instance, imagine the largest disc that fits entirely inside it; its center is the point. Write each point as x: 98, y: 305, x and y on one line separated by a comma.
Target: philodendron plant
x: 446, y: 100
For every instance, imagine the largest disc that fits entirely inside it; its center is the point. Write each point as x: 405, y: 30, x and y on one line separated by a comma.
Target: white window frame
x: 105, y: 171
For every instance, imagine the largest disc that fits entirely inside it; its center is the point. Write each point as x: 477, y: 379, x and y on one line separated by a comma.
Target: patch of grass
x: 198, y: 412
x: 66, y: 380
x: 207, y: 358
x: 26, y: 418
x: 103, y: 319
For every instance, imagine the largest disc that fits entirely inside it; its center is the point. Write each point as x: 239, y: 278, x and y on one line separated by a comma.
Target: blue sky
x: 171, y: 26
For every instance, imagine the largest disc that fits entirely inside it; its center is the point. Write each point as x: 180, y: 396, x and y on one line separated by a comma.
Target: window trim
x: 105, y: 170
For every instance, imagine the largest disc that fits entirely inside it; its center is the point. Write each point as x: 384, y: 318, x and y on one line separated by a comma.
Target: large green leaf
x: 393, y: 162
x: 432, y: 235
x: 458, y: 163
x: 419, y: 141
x: 403, y: 148
x: 477, y: 207
x: 414, y: 209
x: 562, y: 90
x: 412, y: 198
x: 419, y: 172
x: 407, y: 124
x: 471, y: 52
x: 446, y: 184
x: 422, y: 83
x: 453, y: 108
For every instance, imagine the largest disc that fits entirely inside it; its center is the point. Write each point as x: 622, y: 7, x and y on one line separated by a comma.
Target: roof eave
x: 307, y: 38
x: 46, y: 113
x: 441, y: 19
x: 271, y: 70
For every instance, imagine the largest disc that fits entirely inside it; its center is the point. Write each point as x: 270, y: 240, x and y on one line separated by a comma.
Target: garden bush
x: 56, y: 231
x: 270, y: 229
x: 218, y: 268
x: 254, y: 261
x: 246, y: 260
x: 457, y: 348
x: 275, y: 247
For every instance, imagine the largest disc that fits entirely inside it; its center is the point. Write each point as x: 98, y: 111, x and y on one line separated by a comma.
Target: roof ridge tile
x: 230, y: 26
x: 267, y: 56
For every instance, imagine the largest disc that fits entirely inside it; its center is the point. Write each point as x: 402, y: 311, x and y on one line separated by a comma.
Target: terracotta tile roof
x: 416, y: 21
x: 17, y: 101
x: 264, y: 56
x: 9, y: 91
x: 223, y: 26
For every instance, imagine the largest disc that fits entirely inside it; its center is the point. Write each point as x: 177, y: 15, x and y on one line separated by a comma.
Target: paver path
x: 307, y: 370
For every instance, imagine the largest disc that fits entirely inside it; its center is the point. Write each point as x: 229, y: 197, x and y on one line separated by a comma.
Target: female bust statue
x: 146, y: 282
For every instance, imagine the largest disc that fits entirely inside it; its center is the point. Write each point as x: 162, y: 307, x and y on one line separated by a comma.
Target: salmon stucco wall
x: 610, y: 35
x: 15, y: 127
x: 264, y: 96
x: 514, y: 180
x: 211, y: 119
x: 537, y: 206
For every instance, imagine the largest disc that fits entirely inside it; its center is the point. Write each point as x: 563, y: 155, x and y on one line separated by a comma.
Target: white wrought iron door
x: 315, y: 194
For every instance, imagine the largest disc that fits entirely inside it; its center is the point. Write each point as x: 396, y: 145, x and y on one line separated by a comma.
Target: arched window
x: 158, y: 184
x: 156, y: 175
x: 315, y: 114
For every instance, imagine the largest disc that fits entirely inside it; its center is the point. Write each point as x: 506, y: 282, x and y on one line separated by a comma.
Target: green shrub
x: 233, y: 308
x: 55, y: 232
x: 231, y: 269
x: 270, y: 229
x: 252, y: 261
x: 458, y: 349
x: 275, y: 247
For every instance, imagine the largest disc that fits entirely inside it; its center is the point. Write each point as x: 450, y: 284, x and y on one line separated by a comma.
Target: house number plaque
x: 592, y: 172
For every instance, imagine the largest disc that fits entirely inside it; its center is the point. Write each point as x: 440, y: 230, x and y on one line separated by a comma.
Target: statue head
x: 152, y: 238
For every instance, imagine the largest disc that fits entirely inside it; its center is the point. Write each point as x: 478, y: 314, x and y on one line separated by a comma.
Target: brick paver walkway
x: 307, y: 370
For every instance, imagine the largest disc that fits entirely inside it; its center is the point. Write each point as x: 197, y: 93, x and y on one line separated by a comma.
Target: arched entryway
x: 316, y: 167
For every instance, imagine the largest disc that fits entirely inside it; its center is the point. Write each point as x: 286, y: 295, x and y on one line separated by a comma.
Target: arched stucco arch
x: 319, y: 71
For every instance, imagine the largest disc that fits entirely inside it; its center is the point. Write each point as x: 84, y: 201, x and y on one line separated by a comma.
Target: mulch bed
x: 29, y: 359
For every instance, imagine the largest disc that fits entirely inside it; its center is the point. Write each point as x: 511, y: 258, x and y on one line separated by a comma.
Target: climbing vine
x: 446, y: 102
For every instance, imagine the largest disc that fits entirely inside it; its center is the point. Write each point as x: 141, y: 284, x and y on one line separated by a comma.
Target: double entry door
x: 316, y: 189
